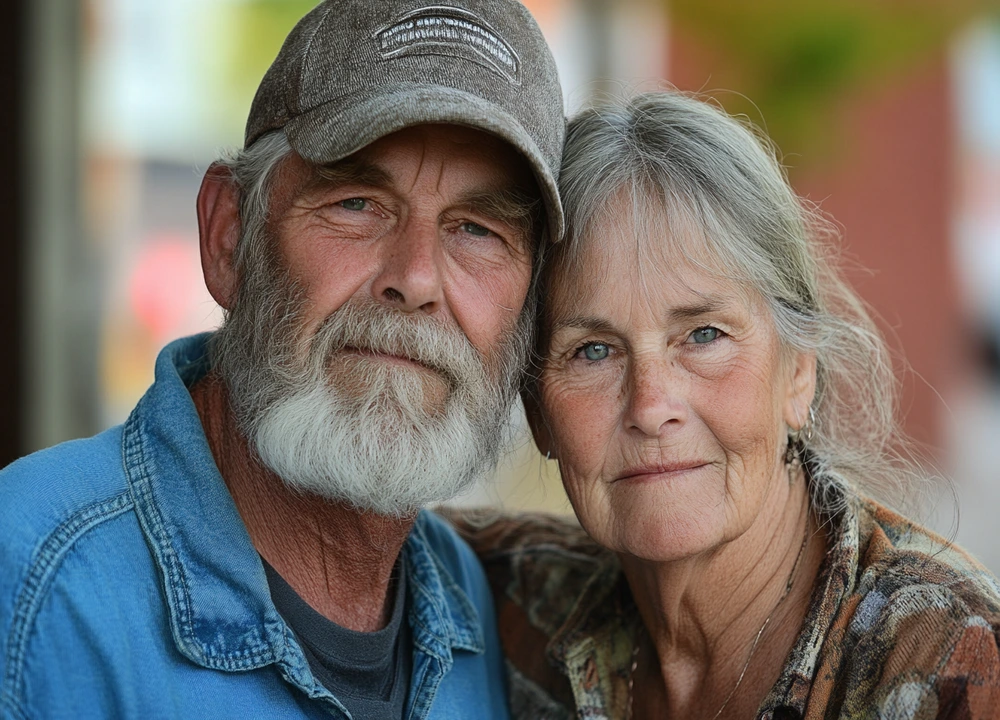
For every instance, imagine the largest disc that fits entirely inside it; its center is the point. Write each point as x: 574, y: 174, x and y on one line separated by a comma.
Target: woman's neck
x: 732, y: 612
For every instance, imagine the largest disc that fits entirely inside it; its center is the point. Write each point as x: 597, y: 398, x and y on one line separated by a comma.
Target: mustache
x: 370, y: 327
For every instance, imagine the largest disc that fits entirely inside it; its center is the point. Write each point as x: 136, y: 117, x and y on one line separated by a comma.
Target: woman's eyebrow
x: 580, y: 322
x: 593, y: 324
x: 704, y: 307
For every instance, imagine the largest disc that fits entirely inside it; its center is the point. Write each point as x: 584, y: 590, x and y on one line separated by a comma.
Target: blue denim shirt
x: 129, y: 587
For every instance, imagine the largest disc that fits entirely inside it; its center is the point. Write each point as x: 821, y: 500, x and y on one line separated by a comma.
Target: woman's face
x: 665, y: 397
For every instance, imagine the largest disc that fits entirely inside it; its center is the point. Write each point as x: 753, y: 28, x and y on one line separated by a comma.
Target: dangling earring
x: 798, y: 442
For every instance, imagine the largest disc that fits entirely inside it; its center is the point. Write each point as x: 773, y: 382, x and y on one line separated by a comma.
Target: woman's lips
x: 655, y: 472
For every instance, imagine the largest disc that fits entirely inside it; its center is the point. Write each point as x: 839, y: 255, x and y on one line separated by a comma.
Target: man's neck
x: 337, y: 558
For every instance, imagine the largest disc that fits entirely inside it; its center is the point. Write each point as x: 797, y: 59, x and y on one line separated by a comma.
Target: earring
x: 798, y: 442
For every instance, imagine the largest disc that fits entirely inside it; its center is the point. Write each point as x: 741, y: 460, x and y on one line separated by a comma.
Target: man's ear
x: 218, y: 232
x: 801, y: 390
x: 539, y: 428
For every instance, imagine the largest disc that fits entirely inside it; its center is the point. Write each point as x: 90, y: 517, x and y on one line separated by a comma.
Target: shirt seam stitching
x: 463, y: 637
x: 41, y: 574
x: 178, y: 594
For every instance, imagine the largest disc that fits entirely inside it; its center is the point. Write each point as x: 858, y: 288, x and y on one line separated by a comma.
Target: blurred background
x: 887, y: 114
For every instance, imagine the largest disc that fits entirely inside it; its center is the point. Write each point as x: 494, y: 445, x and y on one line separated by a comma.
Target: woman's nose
x: 411, y: 276
x: 655, y: 401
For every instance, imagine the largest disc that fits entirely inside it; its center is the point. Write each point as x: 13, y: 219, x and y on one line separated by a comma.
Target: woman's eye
x: 353, y: 204
x: 594, y: 351
x: 705, y: 335
x: 475, y: 229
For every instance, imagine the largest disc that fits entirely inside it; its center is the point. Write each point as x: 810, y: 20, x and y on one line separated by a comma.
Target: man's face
x: 372, y: 357
x: 420, y: 221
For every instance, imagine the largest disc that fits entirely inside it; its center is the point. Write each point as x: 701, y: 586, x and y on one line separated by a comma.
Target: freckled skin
x: 717, y: 410
x: 408, y: 243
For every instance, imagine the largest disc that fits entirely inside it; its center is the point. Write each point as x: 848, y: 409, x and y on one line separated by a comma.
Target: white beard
x: 384, y: 437
x: 376, y: 459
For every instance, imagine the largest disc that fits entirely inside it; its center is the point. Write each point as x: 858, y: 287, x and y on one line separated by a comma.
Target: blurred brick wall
x: 889, y: 184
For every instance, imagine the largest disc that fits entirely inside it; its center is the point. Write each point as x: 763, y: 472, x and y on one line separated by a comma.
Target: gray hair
x: 710, y: 172
x: 252, y: 172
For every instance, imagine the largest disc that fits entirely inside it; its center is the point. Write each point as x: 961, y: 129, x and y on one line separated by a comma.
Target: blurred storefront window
x: 166, y: 88
x: 974, y: 417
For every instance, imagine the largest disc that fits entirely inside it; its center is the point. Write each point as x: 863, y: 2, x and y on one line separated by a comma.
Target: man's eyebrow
x: 511, y: 205
x: 353, y: 171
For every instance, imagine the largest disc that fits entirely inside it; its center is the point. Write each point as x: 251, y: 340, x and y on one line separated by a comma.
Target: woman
x: 720, y: 406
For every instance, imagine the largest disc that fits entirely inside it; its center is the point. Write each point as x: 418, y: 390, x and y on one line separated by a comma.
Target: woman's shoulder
x: 920, y: 630
x: 532, y: 558
x: 919, y: 569
x: 552, y: 586
x: 493, y: 533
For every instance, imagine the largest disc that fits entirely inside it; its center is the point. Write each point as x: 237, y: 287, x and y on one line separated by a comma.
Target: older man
x: 250, y: 543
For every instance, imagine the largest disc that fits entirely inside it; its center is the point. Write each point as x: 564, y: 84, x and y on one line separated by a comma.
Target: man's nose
x: 655, y: 402
x: 411, y: 275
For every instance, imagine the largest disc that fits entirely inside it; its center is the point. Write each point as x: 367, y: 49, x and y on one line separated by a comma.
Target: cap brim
x: 330, y: 132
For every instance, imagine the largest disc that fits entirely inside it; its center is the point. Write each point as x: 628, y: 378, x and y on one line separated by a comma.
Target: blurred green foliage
x: 791, y: 61
x: 785, y: 64
x: 243, y: 38
x: 259, y: 29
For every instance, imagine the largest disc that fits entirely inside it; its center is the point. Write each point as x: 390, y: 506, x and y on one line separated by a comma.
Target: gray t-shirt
x: 369, y: 672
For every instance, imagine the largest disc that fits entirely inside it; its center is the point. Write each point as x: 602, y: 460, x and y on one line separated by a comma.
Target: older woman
x: 720, y: 406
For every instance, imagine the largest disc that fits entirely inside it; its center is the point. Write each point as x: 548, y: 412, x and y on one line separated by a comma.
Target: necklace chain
x: 753, y: 647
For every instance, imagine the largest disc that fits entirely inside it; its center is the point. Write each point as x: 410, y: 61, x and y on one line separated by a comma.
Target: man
x: 250, y: 543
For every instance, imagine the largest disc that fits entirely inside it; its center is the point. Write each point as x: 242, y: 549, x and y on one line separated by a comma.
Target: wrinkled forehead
x: 465, y: 153
x: 637, y: 238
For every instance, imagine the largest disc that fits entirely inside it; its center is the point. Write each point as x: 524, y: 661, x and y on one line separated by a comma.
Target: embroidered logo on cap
x: 443, y: 30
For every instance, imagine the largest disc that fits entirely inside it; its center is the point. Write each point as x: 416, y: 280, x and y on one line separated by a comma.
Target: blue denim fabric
x: 129, y: 587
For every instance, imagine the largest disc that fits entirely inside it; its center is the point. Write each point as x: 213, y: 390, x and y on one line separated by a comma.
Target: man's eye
x: 475, y: 229
x: 594, y: 351
x: 705, y: 335
x: 353, y: 204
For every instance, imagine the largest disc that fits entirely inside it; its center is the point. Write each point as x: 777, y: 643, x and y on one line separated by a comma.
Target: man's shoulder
x: 453, y: 552
x: 43, y: 491
x: 62, y: 548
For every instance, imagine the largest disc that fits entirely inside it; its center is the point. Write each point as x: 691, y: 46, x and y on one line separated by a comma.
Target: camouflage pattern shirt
x: 901, y: 625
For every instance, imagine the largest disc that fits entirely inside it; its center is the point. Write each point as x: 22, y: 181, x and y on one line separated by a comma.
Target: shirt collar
x: 220, y: 608
x: 221, y: 614
x: 441, y: 614
x: 834, y: 582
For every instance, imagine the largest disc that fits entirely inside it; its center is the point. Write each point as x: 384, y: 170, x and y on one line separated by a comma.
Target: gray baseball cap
x: 352, y: 71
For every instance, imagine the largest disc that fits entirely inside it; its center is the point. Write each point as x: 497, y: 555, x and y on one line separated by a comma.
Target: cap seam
x: 305, y: 57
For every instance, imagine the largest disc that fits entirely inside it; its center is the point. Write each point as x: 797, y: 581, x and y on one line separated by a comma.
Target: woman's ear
x: 539, y: 429
x: 218, y: 232
x: 801, y: 390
